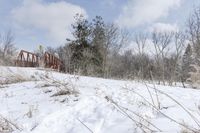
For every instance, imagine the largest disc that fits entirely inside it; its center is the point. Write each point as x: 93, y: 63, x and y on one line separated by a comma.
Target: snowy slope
x: 96, y: 105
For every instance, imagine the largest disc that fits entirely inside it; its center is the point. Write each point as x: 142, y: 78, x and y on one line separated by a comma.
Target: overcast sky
x: 47, y: 22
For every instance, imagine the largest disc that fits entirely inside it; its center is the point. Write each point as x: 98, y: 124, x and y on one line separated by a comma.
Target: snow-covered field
x: 29, y: 104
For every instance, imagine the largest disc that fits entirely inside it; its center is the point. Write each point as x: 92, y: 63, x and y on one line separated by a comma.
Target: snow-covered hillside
x: 43, y: 101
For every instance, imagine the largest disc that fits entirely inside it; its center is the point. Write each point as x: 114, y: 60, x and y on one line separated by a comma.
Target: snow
x: 97, y: 105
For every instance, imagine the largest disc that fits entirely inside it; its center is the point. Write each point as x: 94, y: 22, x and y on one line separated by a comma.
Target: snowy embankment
x: 42, y: 101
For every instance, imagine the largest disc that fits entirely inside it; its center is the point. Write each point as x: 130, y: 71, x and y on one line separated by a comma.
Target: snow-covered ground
x: 29, y: 103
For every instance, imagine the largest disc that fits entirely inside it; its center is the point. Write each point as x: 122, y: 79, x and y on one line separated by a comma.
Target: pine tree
x: 186, y: 62
x: 86, y: 57
x: 98, y: 42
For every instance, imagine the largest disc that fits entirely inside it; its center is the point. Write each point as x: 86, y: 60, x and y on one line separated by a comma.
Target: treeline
x: 99, y: 49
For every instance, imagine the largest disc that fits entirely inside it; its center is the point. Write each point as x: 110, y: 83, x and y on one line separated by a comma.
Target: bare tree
x: 194, y: 33
x: 51, y: 50
x: 115, y: 39
x: 65, y: 54
x: 194, y: 37
x: 111, y: 33
x: 179, y: 41
x: 7, y: 48
x: 161, y: 41
x: 140, y: 40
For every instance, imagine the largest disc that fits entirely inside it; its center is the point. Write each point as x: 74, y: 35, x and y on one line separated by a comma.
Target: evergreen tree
x: 98, y: 42
x: 81, y: 34
x: 186, y: 62
x: 86, y: 57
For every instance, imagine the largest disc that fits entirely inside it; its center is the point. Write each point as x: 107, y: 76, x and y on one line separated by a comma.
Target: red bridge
x: 28, y: 59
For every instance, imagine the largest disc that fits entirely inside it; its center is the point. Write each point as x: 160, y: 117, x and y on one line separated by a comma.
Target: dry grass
x: 143, y: 124
x: 187, y: 128
x: 184, y: 130
x: 13, y: 79
x: 62, y: 92
x: 194, y: 78
x: 6, y: 126
x: 62, y: 87
x: 10, y: 77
